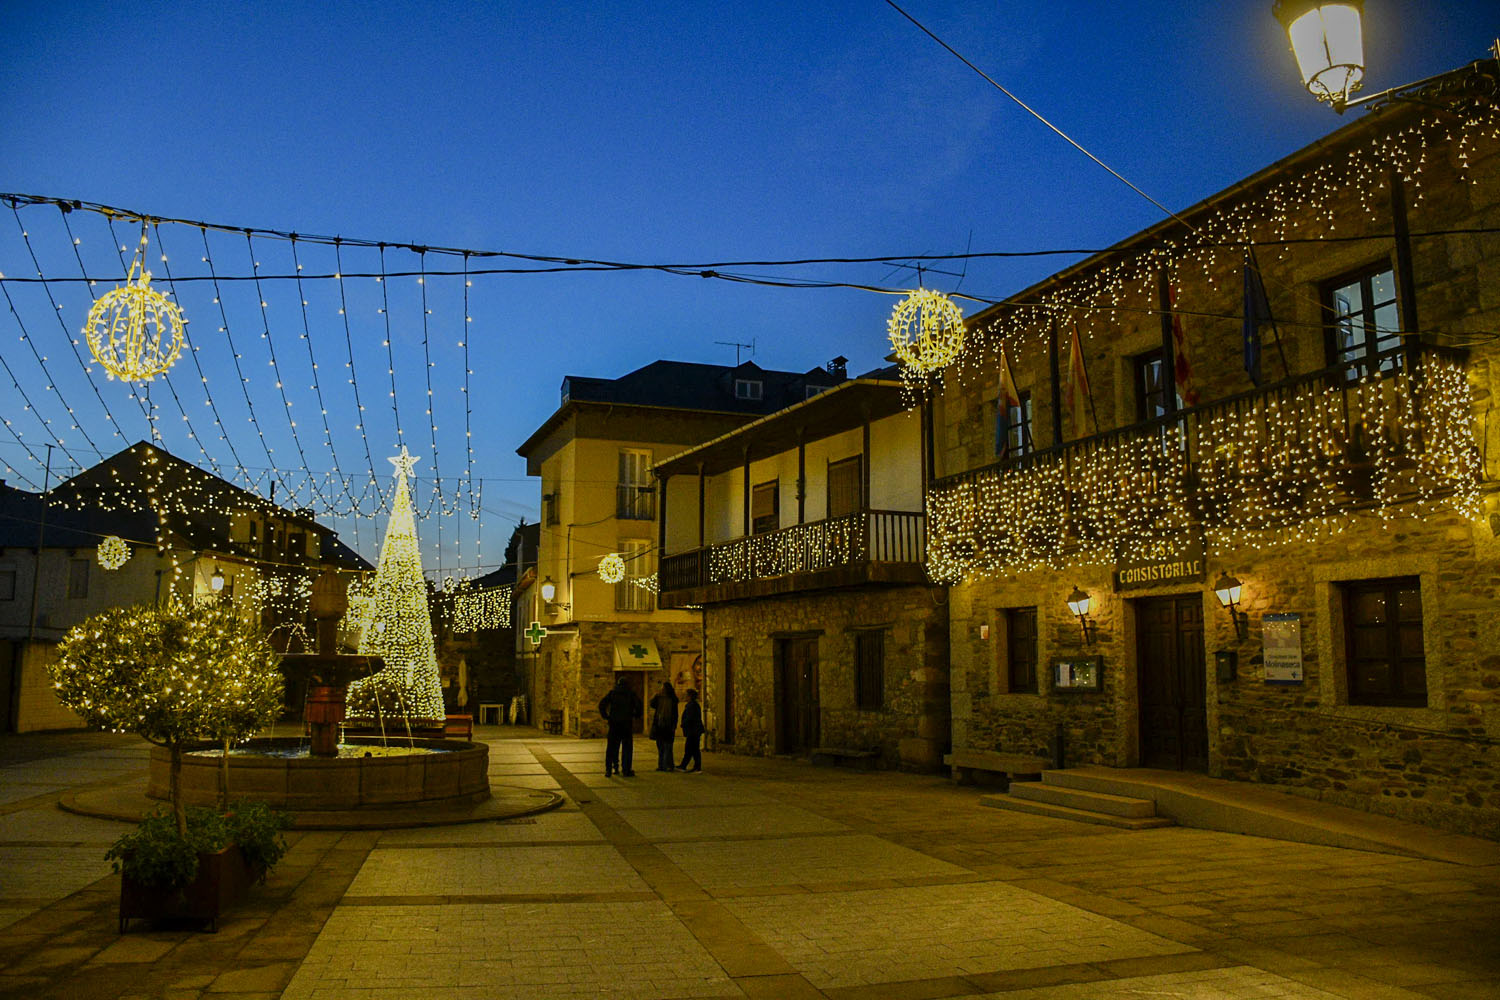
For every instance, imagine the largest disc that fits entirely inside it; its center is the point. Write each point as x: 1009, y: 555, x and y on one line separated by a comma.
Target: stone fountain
x: 323, y: 772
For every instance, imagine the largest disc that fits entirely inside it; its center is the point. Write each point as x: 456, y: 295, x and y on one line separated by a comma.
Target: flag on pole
x: 1078, y: 385
x: 1184, y: 368
x: 1007, y: 398
x: 1257, y: 310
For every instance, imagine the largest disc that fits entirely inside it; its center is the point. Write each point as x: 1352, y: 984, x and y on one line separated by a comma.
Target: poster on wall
x: 1282, y: 648
x: 687, y: 673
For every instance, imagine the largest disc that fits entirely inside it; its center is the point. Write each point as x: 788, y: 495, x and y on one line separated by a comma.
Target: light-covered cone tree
x: 398, y: 628
x: 173, y: 674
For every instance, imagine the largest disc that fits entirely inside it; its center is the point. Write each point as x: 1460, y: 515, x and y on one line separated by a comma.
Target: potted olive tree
x: 178, y: 676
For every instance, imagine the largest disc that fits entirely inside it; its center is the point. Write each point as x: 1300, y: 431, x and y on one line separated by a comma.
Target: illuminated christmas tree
x: 399, y: 629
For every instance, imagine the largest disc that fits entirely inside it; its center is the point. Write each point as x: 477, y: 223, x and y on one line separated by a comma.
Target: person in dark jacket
x: 692, y: 732
x: 620, y: 708
x: 664, y: 725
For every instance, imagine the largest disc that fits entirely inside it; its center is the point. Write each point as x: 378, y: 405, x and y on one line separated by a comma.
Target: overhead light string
x: 128, y: 266
x: 317, y: 386
x: 208, y: 259
x: 354, y: 382
x: 390, y: 357
x: 193, y: 349
x: 468, y: 420
x: 437, y: 476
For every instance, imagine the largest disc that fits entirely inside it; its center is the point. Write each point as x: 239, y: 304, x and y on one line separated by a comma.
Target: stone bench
x: 864, y: 760
x: 1013, y: 765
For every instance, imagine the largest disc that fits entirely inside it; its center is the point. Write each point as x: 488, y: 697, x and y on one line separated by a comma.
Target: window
x: 1151, y: 386
x: 813, y: 390
x: 869, y: 669
x: 1013, y: 430
x: 846, y: 486
x: 78, y: 578
x: 549, y: 508
x: 1020, y: 649
x: 635, y: 499
x: 7, y: 584
x: 745, y: 388
x: 1383, y: 642
x: 631, y: 595
x: 1360, y: 313
x: 765, y: 509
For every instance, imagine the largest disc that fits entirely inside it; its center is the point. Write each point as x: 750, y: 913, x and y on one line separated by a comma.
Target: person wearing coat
x: 620, y: 708
x: 692, y: 732
x: 664, y: 725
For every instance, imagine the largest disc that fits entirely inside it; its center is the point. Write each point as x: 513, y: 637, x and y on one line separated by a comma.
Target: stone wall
x: 911, y: 731
x: 1438, y: 764
x: 594, y: 675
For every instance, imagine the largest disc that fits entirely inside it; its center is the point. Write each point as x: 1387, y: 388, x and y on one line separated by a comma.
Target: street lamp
x: 216, y: 582
x: 1227, y: 589
x: 1328, y: 40
x: 549, y: 590
x: 1080, y: 603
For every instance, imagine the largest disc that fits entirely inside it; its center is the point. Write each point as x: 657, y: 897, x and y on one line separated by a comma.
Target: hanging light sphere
x: 1328, y: 40
x: 612, y: 568
x: 135, y: 332
x: 113, y: 552
x: 927, y: 331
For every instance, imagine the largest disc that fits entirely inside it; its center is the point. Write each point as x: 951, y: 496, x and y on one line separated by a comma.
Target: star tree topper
x: 404, y: 462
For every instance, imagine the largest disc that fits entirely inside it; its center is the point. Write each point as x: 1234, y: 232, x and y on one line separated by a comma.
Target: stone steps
x: 1067, y: 812
x: 1077, y: 798
x: 1057, y: 796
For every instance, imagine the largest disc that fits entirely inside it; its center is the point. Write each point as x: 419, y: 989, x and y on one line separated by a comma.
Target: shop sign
x: 1182, y: 565
x: 1282, y: 648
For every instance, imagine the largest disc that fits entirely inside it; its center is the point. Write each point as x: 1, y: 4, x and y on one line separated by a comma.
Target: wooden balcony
x: 871, y: 546
x: 1296, y: 459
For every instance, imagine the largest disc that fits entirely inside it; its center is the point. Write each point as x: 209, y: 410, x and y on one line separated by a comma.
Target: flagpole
x: 1286, y: 371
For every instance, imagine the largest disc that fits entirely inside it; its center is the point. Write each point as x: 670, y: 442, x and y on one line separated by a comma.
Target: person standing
x: 620, y: 708
x: 692, y: 732
x: 664, y: 725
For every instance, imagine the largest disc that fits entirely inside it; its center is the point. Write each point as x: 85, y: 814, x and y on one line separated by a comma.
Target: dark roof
x: 525, y: 536
x: 21, y: 514
x: 331, y: 549
x: 691, y: 386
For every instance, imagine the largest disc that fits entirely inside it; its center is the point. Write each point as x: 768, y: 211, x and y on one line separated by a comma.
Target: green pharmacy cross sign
x: 637, y: 650
x: 535, y: 632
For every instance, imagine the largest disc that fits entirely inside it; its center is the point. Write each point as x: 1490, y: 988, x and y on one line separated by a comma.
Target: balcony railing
x: 635, y: 503
x: 870, y: 536
x: 1293, y: 459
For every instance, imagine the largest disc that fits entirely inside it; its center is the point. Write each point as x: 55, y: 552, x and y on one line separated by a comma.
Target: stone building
x: 185, y: 533
x: 594, y: 456
x: 1344, y: 496
x: 801, y: 536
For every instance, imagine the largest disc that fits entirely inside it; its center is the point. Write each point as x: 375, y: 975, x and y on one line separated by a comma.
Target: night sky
x: 647, y: 133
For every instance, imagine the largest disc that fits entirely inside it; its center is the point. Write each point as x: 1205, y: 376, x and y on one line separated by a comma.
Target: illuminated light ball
x: 135, y: 332
x: 612, y: 568
x: 113, y: 552
x: 927, y: 331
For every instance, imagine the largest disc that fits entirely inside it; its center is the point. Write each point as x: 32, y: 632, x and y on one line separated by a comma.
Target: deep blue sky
x: 643, y: 132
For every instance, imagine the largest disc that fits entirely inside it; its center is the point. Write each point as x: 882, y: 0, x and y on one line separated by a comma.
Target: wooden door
x: 1173, y: 682
x: 797, y: 694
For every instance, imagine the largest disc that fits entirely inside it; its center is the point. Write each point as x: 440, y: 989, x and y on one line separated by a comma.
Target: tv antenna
x: 737, y: 348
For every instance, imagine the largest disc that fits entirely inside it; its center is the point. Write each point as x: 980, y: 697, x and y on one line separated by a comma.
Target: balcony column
x: 746, y: 527
x: 702, y: 488
x: 661, y: 521
x: 864, y: 461
x: 1054, y: 378
x: 801, y: 475
x: 1168, y: 345
x: 1406, y: 282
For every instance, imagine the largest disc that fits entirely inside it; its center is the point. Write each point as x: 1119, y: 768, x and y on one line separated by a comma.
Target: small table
x: 488, y: 709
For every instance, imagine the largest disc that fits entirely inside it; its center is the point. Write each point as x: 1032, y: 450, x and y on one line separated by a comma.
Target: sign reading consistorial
x: 1182, y: 565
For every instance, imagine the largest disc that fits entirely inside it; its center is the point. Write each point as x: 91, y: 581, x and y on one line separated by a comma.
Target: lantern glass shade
x: 1079, y: 602
x: 1228, y: 590
x: 217, y: 580
x: 1328, y: 41
x: 549, y: 589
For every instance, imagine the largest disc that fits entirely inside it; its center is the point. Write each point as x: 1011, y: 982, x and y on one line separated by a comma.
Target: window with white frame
x: 631, y: 593
x: 745, y: 388
x: 635, y: 497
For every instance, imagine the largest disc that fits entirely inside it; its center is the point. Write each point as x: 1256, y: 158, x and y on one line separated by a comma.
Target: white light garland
x: 612, y: 568
x: 927, y: 331
x: 136, y: 333
x: 113, y: 552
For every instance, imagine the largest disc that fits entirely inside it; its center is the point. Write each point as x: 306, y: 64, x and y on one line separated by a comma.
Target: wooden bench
x: 461, y: 726
x: 1013, y: 765
x: 553, y: 722
x: 863, y: 760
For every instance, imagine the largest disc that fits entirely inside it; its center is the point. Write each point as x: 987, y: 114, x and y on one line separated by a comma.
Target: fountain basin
x: 442, y: 772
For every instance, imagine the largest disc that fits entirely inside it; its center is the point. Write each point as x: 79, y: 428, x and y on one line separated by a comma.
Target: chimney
x: 839, y: 368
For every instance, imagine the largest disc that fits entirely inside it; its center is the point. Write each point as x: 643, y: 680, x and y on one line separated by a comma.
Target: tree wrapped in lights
x: 399, y: 627
x: 175, y: 675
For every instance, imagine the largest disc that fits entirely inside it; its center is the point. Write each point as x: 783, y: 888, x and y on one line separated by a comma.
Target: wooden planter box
x: 223, y: 877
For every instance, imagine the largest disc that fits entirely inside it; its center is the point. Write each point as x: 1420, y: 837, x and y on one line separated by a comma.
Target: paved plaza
x: 757, y: 878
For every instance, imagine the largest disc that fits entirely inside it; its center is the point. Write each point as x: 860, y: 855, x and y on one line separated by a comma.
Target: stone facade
x: 1437, y: 763
x: 578, y: 667
x: 910, y: 731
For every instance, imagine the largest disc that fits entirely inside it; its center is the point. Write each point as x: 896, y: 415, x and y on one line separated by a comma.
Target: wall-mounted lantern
x: 1227, y: 588
x: 1327, y: 38
x: 1080, y: 603
x: 216, y: 582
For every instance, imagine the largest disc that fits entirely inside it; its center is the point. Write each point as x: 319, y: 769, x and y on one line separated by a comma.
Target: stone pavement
x: 758, y: 878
